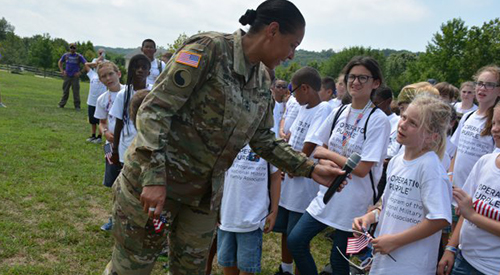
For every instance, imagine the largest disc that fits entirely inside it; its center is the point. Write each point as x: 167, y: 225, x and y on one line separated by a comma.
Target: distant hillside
x: 303, y: 57
x: 120, y: 51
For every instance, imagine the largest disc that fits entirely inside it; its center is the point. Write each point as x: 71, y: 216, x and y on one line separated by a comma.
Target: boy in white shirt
x: 109, y: 75
x: 95, y: 90
x: 280, y: 93
x: 297, y: 192
x: 249, y: 208
x: 328, y: 92
x: 148, y: 48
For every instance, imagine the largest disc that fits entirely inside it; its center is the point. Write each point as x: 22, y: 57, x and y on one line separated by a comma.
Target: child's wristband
x: 375, y: 212
x: 452, y: 249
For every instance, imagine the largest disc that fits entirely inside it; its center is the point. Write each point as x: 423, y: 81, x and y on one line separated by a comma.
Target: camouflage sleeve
x: 277, y: 151
x: 184, y: 75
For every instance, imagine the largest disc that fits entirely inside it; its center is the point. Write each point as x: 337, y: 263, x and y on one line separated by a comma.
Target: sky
x: 330, y: 24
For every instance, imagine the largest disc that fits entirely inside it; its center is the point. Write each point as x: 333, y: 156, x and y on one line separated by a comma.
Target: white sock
x: 287, y: 267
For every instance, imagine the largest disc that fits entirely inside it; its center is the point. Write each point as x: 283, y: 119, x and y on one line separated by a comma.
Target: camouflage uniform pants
x: 137, y: 245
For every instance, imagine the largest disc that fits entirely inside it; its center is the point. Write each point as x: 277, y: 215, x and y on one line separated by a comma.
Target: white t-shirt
x: 470, y: 146
x: 458, y: 108
x: 128, y: 132
x: 104, y: 104
x: 245, y: 201
x: 278, y: 111
x: 480, y: 248
x: 334, y: 103
x: 355, y: 198
x: 96, y: 88
x: 297, y: 192
x: 416, y: 190
x: 391, y: 149
x: 154, y: 72
x: 291, y: 111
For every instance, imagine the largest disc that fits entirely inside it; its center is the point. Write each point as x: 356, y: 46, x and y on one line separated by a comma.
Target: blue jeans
x: 243, y: 250
x: 462, y: 267
x: 298, y: 244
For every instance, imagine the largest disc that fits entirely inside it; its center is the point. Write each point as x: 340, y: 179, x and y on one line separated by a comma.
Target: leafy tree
x: 396, y: 70
x: 177, y: 42
x: 5, y: 28
x: 286, y: 73
x: 41, y: 52
x: 12, y: 49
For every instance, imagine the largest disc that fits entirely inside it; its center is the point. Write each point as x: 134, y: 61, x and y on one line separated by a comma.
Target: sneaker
x: 2, y: 105
x: 107, y: 226
x: 280, y: 272
x: 77, y: 108
x: 91, y: 139
x: 97, y: 140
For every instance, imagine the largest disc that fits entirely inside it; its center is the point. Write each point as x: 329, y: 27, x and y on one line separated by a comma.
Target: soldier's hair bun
x: 248, y: 18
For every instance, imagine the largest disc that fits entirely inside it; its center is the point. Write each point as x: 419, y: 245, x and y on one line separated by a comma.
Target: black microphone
x: 351, y: 163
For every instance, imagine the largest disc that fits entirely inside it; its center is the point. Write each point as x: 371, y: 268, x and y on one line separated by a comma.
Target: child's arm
x: 275, y: 198
x: 115, y: 158
x: 361, y: 170
x: 446, y: 263
x: 387, y: 243
x: 464, y: 202
x: 308, y: 148
x: 103, y: 127
x: 452, y: 168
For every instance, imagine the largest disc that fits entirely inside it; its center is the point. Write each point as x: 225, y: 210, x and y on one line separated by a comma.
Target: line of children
x: 297, y: 192
x: 109, y: 75
x: 351, y: 133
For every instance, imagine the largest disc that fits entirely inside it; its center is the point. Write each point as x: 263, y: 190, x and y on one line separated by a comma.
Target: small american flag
x: 486, y: 210
x: 188, y: 58
x: 108, y: 151
x: 356, y: 244
x: 159, y: 224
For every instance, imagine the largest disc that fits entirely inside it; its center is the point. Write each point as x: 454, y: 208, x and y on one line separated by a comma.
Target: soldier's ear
x: 272, y: 29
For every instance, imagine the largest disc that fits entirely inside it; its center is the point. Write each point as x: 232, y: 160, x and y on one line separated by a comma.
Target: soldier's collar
x: 241, y: 64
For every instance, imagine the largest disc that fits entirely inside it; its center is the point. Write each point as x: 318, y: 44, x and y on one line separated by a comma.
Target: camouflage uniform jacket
x: 198, y: 117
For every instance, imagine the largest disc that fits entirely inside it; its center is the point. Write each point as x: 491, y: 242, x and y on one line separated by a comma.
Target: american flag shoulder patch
x: 188, y: 58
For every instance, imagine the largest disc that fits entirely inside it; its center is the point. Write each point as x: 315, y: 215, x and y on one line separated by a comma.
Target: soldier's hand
x: 325, y: 171
x: 153, y: 198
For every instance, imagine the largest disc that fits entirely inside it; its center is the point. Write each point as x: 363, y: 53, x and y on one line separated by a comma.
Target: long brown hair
x: 495, y: 70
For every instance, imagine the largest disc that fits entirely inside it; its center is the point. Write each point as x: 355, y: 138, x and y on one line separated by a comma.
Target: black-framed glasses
x: 361, y: 78
x: 295, y: 89
x: 486, y: 85
x: 73, y: 47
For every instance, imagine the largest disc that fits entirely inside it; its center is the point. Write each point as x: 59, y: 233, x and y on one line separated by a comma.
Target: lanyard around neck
x: 346, y: 136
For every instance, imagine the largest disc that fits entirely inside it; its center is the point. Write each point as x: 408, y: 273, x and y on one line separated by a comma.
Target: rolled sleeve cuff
x: 304, y: 170
x: 153, y: 177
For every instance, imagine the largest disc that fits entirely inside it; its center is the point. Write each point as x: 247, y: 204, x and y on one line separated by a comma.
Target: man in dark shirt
x: 71, y: 74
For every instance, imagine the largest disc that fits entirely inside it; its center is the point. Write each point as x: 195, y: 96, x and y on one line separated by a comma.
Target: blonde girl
x: 417, y: 197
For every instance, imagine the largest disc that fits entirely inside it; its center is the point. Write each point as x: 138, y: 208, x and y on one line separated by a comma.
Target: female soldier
x: 211, y: 100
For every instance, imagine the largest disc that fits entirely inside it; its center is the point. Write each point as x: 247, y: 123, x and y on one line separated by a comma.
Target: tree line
x: 453, y: 54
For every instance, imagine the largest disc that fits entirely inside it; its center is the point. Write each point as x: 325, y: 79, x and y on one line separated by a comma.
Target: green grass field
x: 52, y: 198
